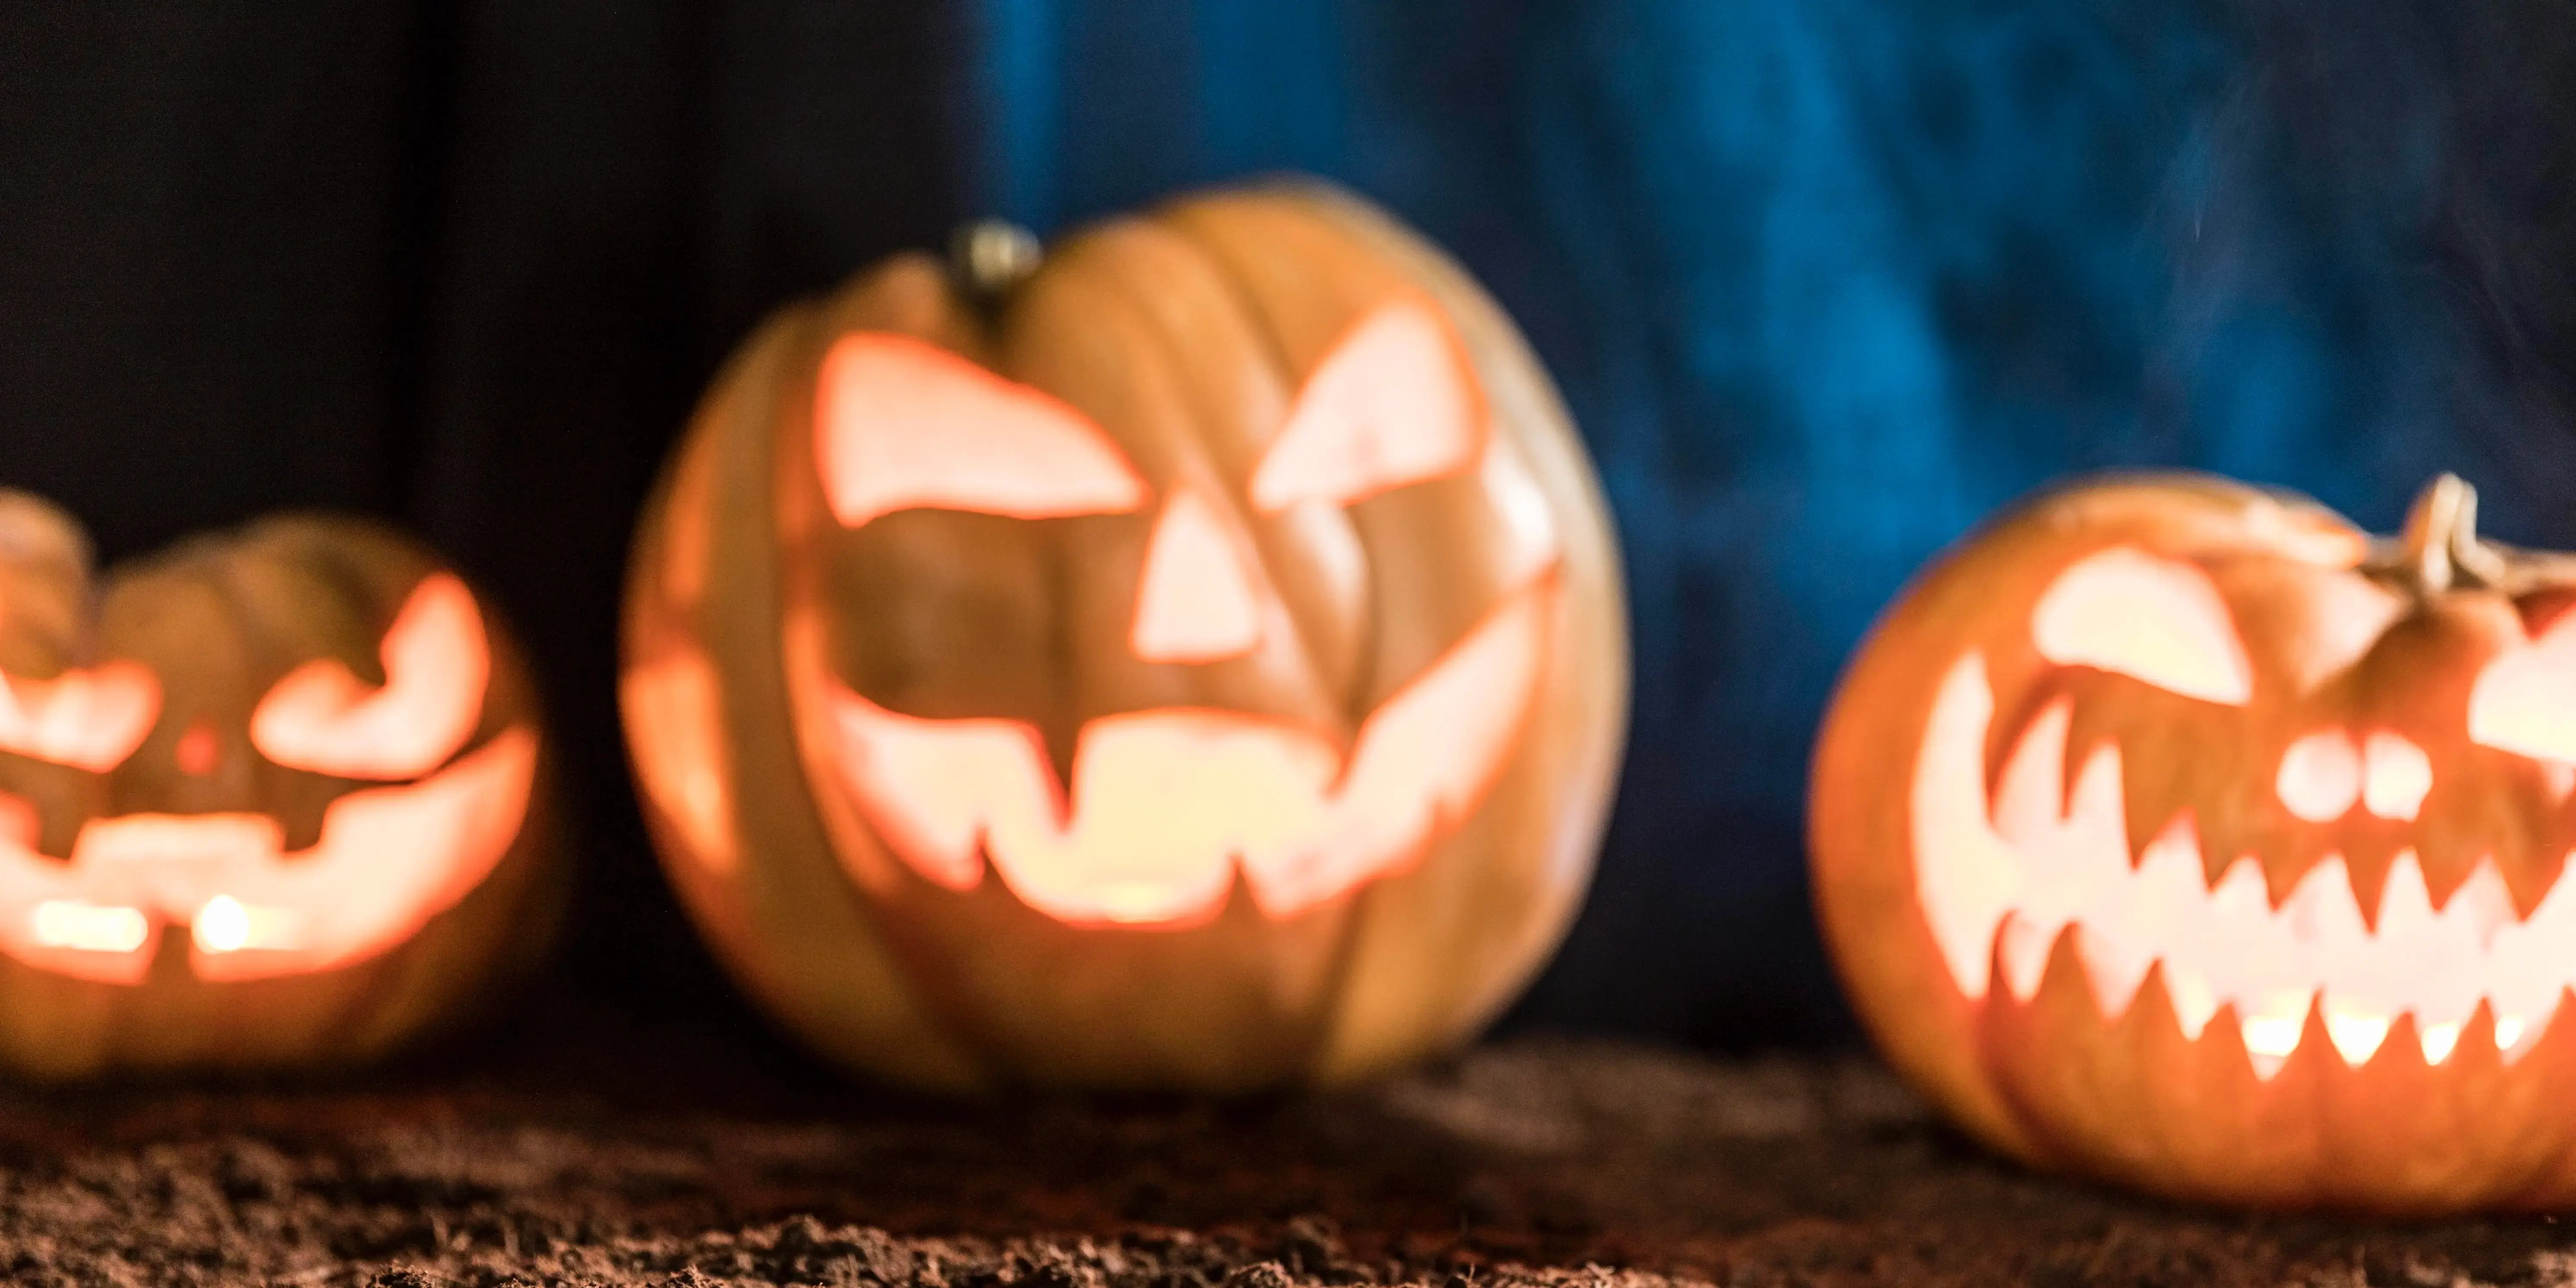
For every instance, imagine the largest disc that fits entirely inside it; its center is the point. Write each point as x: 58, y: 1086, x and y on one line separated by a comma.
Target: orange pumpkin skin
x: 2304, y: 792
x: 197, y: 904
x: 800, y: 588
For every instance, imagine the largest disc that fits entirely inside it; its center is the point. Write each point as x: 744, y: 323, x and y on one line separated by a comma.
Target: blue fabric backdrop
x: 1826, y: 281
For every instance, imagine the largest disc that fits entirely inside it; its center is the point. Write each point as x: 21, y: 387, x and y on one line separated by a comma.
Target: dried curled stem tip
x: 993, y: 255
x: 2441, y: 540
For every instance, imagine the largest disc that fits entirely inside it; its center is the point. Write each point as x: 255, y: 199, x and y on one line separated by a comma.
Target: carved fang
x: 2001, y: 879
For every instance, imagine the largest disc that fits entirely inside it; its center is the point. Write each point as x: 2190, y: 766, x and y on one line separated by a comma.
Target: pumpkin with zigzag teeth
x: 2179, y: 833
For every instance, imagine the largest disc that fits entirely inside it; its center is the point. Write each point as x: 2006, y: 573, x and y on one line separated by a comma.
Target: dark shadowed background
x: 1824, y: 282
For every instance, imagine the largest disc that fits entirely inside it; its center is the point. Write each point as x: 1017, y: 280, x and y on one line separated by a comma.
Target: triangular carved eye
x: 2524, y: 702
x: 1395, y: 403
x: 2156, y: 620
x: 437, y: 662
x: 900, y: 423
x: 91, y: 719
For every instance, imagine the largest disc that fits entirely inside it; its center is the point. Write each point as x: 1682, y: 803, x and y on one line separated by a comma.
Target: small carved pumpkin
x: 265, y: 800
x: 2178, y: 833
x: 1194, y: 660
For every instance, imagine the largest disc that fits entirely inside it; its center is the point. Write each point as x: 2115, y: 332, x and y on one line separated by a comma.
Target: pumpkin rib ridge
x: 775, y: 437
x: 1173, y: 356
x: 1181, y: 356
x: 1523, y: 408
x: 1099, y: 270
x: 1174, y: 220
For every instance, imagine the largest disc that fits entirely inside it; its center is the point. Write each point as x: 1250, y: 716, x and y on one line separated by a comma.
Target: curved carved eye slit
x: 1393, y: 404
x: 321, y: 717
x: 900, y: 423
x: 90, y: 719
x: 1197, y: 604
x: 2320, y: 776
x: 2154, y: 620
x: 2524, y: 702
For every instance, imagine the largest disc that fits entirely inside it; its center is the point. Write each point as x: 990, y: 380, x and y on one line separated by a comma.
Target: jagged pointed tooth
x: 2403, y: 1044
x: 2193, y: 1001
x: 2272, y: 1027
x: 2483, y: 897
x: 2327, y: 910
x: 2557, y: 778
x: 2403, y: 906
x: 2022, y: 949
x: 2450, y: 852
x: 2366, y: 883
x: 2518, y: 1035
x: 2115, y: 975
x: 2472, y: 1042
x: 2451, y: 869
x: 2291, y: 857
x: 2030, y: 785
x: 2240, y: 896
x: 2153, y: 794
x: 2438, y: 1040
x: 2533, y: 881
x: 2356, y: 1032
x: 2123, y: 937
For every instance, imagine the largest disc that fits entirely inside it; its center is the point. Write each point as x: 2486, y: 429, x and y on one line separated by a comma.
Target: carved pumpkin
x: 2178, y: 833
x: 1196, y: 659
x: 265, y: 800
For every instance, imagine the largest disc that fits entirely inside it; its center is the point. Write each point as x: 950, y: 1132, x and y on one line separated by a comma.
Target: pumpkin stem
x: 2441, y: 539
x: 990, y: 256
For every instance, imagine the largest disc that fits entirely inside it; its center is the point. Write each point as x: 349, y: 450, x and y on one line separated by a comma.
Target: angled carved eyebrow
x: 437, y: 661
x: 2524, y: 701
x: 1394, y: 403
x: 89, y: 719
x: 901, y: 423
x: 2152, y: 619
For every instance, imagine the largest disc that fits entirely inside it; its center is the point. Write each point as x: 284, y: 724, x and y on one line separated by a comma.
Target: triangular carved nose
x: 1198, y: 603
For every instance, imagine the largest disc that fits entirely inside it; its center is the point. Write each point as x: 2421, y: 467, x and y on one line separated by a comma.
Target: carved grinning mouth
x: 2001, y: 878
x: 388, y: 860
x: 1166, y: 803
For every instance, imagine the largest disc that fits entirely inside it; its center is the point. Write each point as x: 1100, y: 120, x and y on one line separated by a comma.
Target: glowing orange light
x: 2148, y: 618
x: 90, y: 719
x: 902, y: 423
x: 1166, y: 802
x: 388, y: 860
x: 89, y: 928
x: 2005, y: 878
x: 1393, y: 404
x: 198, y: 751
x: 321, y: 717
x: 19, y: 824
x: 1197, y: 602
x: 2320, y: 776
x: 2525, y: 700
x: 2398, y: 778
x: 683, y: 763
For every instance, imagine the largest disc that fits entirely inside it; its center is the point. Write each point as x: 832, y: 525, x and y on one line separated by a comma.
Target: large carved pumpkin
x: 1194, y: 659
x: 266, y: 800
x: 2178, y: 833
